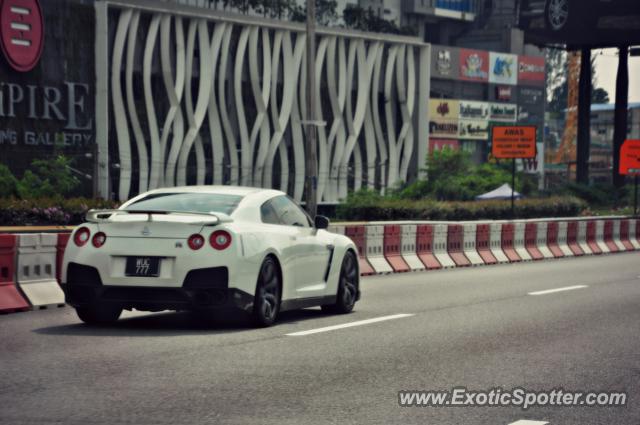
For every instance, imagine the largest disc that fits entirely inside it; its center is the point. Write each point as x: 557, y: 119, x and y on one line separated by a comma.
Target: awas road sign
x: 630, y: 157
x: 510, y: 142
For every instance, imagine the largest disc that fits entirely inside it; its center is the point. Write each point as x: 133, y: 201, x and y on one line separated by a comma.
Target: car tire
x: 266, y: 302
x: 99, y: 314
x: 348, y: 284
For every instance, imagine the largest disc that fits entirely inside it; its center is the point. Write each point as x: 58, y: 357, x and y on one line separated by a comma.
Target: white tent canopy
x: 503, y: 192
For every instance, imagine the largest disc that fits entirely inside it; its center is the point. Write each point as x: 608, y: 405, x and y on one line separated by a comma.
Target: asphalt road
x: 478, y: 328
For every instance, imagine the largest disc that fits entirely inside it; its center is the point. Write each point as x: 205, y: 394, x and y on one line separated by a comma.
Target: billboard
x: 471, y: 110
x: 503, y: 68
x: 531, y: 70
x: 443, y: 118
x: 473, y: 129
x: 445, y: 62
x: 439, y: 144
x: 474, y: 65
x: 503, y: 112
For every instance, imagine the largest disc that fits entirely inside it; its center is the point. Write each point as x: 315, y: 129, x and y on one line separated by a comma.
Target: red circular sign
x: 22, y: 32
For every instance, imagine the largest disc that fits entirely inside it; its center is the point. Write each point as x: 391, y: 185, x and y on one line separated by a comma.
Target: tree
x: 557, y: 84
x: 600, y: 95
x: 325, y: 12
x: 358, y: 18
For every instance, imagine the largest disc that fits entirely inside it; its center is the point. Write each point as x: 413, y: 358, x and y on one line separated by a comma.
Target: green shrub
x: 48, y: 211
x: 358, y: 207
x: 48, y: 178
x: 453, y: 177
x: 8, y: 183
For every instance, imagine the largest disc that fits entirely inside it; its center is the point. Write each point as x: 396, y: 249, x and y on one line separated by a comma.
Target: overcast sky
x: 607, y: 67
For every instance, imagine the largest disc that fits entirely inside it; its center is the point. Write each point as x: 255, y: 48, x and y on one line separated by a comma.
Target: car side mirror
x: 321, y: 222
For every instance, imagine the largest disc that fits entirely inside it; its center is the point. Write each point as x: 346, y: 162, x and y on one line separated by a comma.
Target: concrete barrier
x: 375, y: 249
x: 543, y: 247
x: 36, y: 271
x: 455, y: 235
x: 358, y: 234
x: 495, y: 242
x: 391, y: 248
x: 483, y: 238
x: 508, y: 233
x: 469, y: 244
x: 616, y: 236
x: 563, y: 230
x: 633, y: 234
x: 440, y: 246
x: 581, y: 238
x: 519, y: 241
x: 409, y: 237
x: 531, y: 241
x: 424, y: 245
x: 11, y: 300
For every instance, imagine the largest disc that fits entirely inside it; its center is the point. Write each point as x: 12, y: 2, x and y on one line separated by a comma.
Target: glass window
x: 268, y: 214
x: 289, y: 212
x: 187, y: 202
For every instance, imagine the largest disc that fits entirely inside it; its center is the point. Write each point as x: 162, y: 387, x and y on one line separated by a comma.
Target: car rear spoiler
x: 210, y: 218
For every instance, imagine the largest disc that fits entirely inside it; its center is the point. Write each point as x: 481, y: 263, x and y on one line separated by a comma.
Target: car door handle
x: 293, y: 238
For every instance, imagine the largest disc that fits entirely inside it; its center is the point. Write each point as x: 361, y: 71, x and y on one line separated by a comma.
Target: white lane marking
x: 526, y: 422
x: 552, y: 291
x: 349, y: 325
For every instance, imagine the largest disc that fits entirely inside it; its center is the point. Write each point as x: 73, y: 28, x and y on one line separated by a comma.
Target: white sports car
x: 205, y: 248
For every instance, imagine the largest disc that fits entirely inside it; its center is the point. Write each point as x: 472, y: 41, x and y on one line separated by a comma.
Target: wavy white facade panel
x: 223, y: 101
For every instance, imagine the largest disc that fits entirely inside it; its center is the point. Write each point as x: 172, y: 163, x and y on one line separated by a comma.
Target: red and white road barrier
x: 616, y: 235
x: 470, y: 234
x: 531, y: 241
x: 409, y: 240
x: 36, y: 269
x: 357, y: 233
x: 375, y: 249
x: 483, y: 243
x: 495, y: 242
x: 440, y: 250
x: 519, y: 241
x: 10, y: 298
x: 543, y: 247
x: 455, y: 236
x: 406, y: 246
x: 508, y: 233
x: 424, y: 246
x: 562, y: 239
x: 392, y: 242
x: 633, y: 234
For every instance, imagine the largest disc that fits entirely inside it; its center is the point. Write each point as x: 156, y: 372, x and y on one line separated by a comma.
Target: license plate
x: 143, y: 266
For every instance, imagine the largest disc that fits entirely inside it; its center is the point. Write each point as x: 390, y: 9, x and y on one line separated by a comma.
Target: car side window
x: 289, y: 213
x: 268, y: 214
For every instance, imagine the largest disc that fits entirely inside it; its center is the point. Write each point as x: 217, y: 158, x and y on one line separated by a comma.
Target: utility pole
x: 584, y: 118
x: 311, y: 181
x: 620, y: 114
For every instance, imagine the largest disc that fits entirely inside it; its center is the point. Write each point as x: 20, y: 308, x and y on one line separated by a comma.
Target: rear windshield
x: 187, y: 202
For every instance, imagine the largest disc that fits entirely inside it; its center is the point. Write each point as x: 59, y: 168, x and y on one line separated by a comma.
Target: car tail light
x: 82, y: 236
x: 99, y: 239
x: 195, y: 241
x: 220, y: 239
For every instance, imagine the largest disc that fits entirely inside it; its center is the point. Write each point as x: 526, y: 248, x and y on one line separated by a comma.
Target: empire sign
x: 26, y: 107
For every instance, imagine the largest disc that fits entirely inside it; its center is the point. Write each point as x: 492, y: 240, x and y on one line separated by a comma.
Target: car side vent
x: 212, y: 277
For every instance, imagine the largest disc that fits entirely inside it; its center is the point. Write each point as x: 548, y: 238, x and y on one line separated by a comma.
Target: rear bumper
x: 202, y: 289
